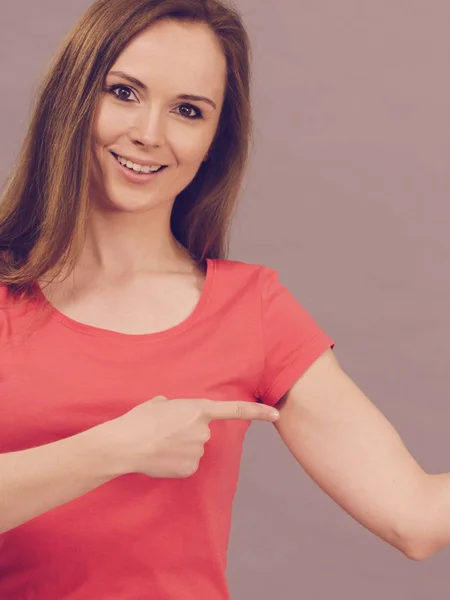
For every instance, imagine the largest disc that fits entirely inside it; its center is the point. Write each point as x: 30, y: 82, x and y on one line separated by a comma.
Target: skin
x: 129, y: 229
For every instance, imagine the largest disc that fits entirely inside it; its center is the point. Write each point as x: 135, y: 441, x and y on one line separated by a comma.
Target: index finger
x: 218, y: 410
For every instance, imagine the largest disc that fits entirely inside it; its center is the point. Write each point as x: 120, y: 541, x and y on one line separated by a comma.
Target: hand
x: 166, y: 438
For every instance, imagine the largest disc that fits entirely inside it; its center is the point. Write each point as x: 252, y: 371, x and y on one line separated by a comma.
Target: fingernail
x: 274, y: 415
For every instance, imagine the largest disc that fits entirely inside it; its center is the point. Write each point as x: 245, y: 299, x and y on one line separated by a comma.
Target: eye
x: 188, y: 111
x: 112, y: 90
x: 197, y: 112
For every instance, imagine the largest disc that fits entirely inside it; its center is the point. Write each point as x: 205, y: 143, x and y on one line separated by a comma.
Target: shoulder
x: 5, y: 303
x: 247, y: 280
x: 245, y: 270
x: 13, y: 303
x: 5, y: 297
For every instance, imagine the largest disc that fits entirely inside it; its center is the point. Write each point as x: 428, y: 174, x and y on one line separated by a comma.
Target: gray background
x: 347, y: 197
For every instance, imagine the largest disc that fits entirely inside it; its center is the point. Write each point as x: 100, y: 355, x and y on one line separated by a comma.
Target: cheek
x: 190, y: 148
x: 108, y: 126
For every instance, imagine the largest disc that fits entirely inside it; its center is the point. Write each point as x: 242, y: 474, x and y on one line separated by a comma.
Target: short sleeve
x: 292, y: 340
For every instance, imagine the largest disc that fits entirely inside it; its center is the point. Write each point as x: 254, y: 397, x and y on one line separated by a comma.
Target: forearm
x: 36, y: 480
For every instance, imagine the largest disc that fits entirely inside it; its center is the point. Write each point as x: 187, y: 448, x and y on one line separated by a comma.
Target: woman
x: 134, y: 355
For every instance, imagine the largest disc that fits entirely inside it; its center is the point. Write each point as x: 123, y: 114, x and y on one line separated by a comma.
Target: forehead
x: 185, y: 56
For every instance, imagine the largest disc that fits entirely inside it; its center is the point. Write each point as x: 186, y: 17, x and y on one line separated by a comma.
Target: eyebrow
x: 141, y: 85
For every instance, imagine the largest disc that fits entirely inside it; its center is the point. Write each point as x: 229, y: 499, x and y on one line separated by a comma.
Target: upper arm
x: 351, y: 450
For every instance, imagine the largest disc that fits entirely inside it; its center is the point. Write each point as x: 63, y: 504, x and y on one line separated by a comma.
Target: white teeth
x: 136, y: 167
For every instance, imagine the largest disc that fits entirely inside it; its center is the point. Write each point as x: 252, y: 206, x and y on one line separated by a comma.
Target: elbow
x: 419, y: 541
x: 417, y: 550
x: 418, y: 555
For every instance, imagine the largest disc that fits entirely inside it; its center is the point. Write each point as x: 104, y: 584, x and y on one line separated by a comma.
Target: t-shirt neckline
x: 138, y: 337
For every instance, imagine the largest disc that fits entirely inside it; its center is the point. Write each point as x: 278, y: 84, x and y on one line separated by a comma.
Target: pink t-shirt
x: 135, y: 537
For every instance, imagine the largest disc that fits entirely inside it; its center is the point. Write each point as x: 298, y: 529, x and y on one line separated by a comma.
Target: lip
x: 138, y: 161
x: 136, y: 178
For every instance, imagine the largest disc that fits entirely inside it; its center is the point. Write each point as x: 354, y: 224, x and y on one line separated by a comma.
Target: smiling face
x: 153, y: 118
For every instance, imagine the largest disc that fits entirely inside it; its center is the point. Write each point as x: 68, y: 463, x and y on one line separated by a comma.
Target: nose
x: 148, y: 128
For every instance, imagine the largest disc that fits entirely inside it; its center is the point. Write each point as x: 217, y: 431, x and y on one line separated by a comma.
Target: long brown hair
x: 45, y: 205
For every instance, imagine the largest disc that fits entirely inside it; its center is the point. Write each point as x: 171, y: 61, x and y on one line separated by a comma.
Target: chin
x: 129, y: 205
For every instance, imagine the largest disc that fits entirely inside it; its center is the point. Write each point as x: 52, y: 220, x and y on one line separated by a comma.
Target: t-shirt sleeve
x: 292, y: 340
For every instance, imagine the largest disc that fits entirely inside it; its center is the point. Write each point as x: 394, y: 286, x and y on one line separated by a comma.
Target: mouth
x: 138, y: 173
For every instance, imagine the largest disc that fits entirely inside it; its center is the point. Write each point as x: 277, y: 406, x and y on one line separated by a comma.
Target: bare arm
x: 36, y: 480
x: 355, y: 455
